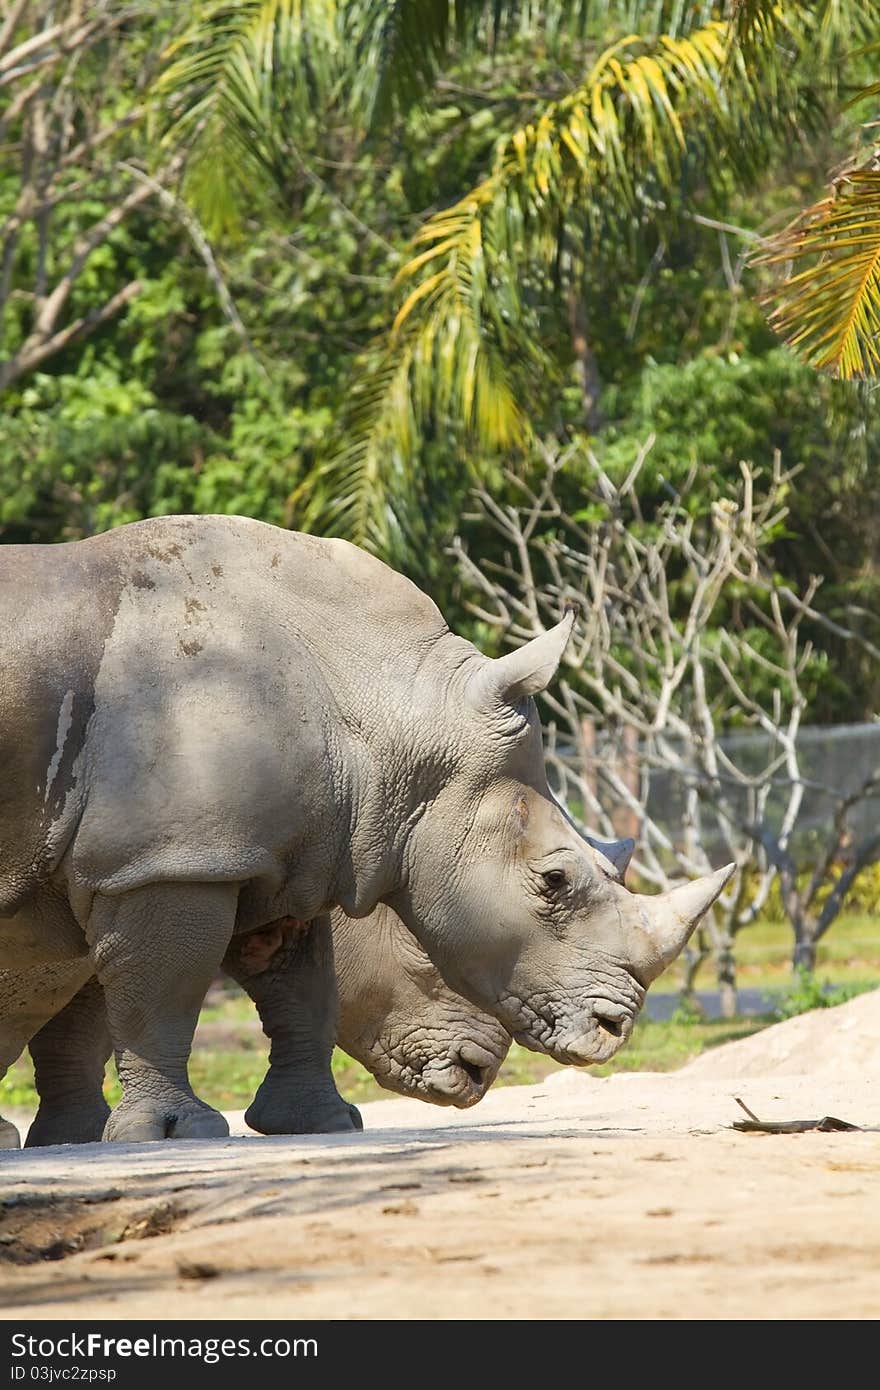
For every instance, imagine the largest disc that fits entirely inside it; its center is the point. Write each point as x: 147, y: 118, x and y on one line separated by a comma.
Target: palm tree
x: 659, y: 95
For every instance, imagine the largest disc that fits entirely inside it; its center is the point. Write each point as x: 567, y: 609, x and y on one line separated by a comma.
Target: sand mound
x: 842, y: 1040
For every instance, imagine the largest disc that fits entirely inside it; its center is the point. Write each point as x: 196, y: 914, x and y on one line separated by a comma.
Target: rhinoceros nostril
x: 610, y: 1018
x: 476, y: 1062
x: 474, y: 1072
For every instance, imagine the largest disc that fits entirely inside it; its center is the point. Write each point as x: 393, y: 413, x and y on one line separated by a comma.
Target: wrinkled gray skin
x: 401, y: 1021
x: 396, y: 1016
x: 69, y: 1043
x: 208, y: 724
x: 399, y: 1018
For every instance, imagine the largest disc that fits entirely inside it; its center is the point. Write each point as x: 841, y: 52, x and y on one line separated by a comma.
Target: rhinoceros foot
x: 145, y: 1119
x: 82, y: 1123
x: 279, y: 1109
x: 9, y: 1137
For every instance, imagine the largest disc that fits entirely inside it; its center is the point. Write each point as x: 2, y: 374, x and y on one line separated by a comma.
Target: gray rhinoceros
x: 396, y: 1016
x: 208, y: 723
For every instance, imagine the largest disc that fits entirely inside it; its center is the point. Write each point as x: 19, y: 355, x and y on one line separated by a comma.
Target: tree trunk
x: 693, y: 956
x: 625, y: 820
x: 726, y: 976
x: 804, y: 954
x: 585, y: 362
x: 588, y: 755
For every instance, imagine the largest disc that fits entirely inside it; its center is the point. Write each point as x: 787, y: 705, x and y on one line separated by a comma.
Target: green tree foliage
x: 377, y: 251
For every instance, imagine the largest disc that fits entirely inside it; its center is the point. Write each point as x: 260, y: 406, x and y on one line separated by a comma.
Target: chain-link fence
x: 756, y: 784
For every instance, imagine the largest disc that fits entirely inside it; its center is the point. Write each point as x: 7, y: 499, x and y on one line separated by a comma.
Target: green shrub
x: 863, y: 895
x: 808, y: 992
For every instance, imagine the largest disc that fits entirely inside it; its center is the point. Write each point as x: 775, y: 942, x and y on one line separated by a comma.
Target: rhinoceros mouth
x: 585, y: 1037
x: 458, y: 1078
x: 455, y: 1086
x: 596, y: 1044
x: 462, y: 1079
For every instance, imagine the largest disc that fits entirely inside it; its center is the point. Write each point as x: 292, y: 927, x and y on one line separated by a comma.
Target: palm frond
x: 707, y: 92
x: 241, y: 63
x: 358, y: 504
x: 824, y: 31
x: 449, y: 355
x: 606, y: 150
x: 403, y: 44
x: 240, y: 76
x: 460, y: 337
x: 828, y: 308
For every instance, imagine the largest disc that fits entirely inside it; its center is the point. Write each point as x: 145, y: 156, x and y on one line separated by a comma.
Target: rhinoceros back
x: 245, y: 671
x: 177, y: 697
x: 57, y: 605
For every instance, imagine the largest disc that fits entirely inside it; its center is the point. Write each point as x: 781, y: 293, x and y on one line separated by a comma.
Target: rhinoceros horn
x: 667, y: 920
x: 523, y: 672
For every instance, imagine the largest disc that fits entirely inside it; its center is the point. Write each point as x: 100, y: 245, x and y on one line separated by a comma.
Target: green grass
x: 230, y: 1055
x: 849, y: 954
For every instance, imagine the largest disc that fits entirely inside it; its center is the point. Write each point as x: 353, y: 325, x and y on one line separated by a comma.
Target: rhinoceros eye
x: 555, y: 880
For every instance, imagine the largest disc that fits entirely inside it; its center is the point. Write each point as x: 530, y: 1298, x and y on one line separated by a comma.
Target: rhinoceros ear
x: 526, y: 671
x: 618, y: 852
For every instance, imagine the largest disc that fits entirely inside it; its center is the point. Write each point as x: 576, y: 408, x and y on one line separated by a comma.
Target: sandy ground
x: 625, y: 1198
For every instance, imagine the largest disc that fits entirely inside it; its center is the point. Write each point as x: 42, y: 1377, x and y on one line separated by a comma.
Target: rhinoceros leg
x: 28, y: 999
x: 156, y: 950
x: 11, y: 1044
x: 294, y: 989
x: 69, y: 1055
x: 13, y: 1039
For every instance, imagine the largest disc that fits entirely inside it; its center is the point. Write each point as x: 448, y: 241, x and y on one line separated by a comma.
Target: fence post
x: 627, y: 822
x: 588, y: 756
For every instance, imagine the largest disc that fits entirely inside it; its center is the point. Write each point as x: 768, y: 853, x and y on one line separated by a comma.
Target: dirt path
x: 629, y: 1198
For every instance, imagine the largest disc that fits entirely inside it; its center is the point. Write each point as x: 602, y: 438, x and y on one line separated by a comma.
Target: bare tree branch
x: 80, y: 328
x: 45, y: 338
x: 64, y: 143
x: 193, y: 227
x: 672, y: 674
x: 10, y: 23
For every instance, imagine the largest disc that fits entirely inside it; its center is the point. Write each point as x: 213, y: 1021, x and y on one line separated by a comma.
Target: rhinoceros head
x: 402, y: 1022
x: 520, y: 913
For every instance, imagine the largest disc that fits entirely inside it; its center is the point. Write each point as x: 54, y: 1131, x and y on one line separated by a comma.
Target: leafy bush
x: 807, y: 993
x: 863, y: 895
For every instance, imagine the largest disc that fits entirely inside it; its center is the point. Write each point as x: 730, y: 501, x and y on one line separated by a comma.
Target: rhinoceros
x: 399, y: 1018
x: 396, y: 1017
x: 209, y: 723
